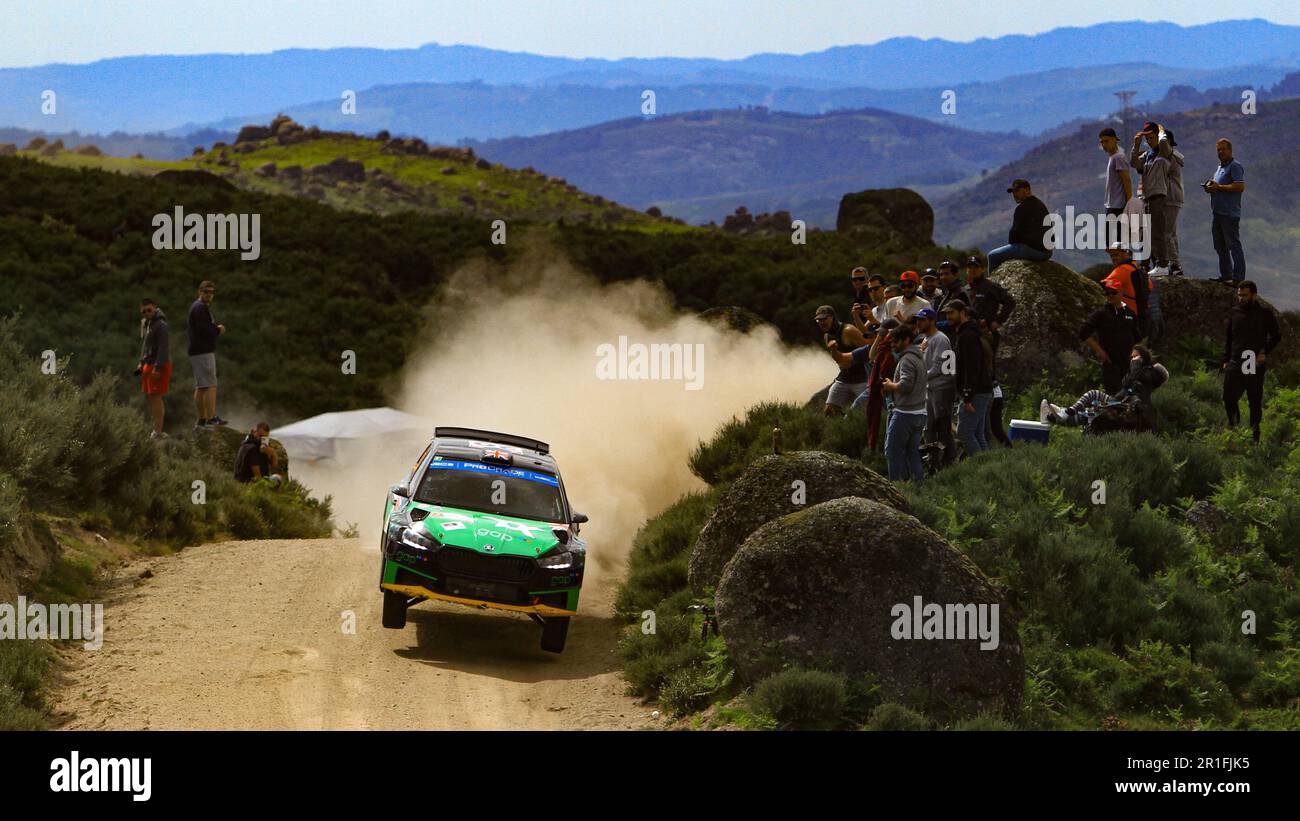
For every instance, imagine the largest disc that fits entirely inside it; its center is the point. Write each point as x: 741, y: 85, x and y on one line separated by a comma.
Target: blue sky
x: 79, y: 31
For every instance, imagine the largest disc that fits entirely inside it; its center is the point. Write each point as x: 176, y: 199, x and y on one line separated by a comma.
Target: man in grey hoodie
x: 940, y: 382
x: 155, y: 365
x: 1162, y: 190
x: 907, y: 422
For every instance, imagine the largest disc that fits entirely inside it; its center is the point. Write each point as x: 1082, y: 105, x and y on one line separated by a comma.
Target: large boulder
x: 822, y: 588
x: 1196, y: 313
x: 767, y: 491
x: 898, y: 217
x: 1052, y: 303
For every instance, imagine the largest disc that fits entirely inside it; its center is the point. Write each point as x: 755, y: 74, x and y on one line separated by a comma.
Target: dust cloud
x: 517, y: 351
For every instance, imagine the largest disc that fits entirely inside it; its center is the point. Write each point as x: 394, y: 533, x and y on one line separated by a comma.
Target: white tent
x: 328, y: 435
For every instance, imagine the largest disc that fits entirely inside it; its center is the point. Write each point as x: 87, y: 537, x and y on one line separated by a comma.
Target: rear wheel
x: 395, y: 610
x: 554, y: 633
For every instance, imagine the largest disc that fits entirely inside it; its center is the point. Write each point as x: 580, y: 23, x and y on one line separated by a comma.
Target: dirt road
x: 251, y: 635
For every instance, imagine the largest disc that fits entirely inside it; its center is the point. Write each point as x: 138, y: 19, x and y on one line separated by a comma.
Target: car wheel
x: 395, y: 610
x: 554, y: 633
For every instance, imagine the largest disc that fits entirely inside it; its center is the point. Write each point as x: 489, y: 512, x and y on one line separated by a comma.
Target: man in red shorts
x: 155, y: 368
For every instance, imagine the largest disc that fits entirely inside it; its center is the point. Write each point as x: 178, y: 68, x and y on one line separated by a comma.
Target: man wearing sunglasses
x: 906, y: 305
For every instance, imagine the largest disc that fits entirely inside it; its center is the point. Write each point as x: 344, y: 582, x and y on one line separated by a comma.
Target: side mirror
x: 400, y: 490
x: 579, y: 518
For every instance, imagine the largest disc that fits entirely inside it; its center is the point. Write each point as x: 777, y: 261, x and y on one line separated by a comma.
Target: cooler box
x: 1026, y: 430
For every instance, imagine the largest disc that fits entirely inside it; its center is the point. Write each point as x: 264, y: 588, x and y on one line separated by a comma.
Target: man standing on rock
x: 1225, y: 201
x: 1028, y: 229
x: 940, y: 382
x: 203, y: 332
x: 1154, y: 168
x: 1252, y: 334
x: 1119, y: 179
x: 907, y: 423
x: 974, y: 383
x: 1112, y: 331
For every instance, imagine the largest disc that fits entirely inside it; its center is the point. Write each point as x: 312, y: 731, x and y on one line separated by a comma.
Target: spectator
x: 953, y: 290
x: 1252, y: 334
x: 1174, y: 201
x: 861, y: 293
x: 1131, y: 282
x: 155, y: 365
x: 1155, y: 172
x: 1111, y: 331
x: 974, y: 379
x: 882, y: 364
x: 256, y: 459
x: 1225, y: 203
x: 1028, y: 229
x: 904, y: 307
x: 852, y: 380
x: 940, y: 382
x: 1119, y: 178
x: 203, y: 332
x: 990, y: 304
x: 930, y: 287
x: 873, y: 309
x: 907, y: 423
x: 1142, y: 376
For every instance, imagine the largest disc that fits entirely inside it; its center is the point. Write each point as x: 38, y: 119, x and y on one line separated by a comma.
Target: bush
x: 1234, y: 664
x: 24, y: 669
x: 1168, y: 684
x: 984, y: 722
x: 892, y: 717
x: 685, y: 690
x: 802, y: 699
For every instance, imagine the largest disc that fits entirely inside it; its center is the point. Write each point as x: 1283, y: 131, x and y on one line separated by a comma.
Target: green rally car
x: 482, y: 520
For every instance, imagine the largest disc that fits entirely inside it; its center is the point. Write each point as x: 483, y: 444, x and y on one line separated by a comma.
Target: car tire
x: 554, y: 634
x: 395, y: 610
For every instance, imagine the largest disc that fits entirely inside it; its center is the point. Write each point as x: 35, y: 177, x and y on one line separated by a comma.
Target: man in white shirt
x: 904, y: 307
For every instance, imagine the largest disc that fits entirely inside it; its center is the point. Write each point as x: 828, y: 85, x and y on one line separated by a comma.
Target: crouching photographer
x: 256, y: 458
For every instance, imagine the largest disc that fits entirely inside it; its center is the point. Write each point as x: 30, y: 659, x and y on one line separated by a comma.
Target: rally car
x: 482, y: 520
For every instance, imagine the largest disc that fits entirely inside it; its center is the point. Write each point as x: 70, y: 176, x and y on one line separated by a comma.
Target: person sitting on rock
x: 256, y: 458
x: 1028, y: 229
x: 1129, y: 408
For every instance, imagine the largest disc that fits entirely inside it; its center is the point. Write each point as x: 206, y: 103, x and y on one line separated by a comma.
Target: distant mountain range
x: 1070, y: 171
x: 156, y: 93
x: 701, y: 165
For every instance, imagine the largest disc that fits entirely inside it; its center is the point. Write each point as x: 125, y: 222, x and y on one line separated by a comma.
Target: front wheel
x: 394, y: 610
x: 554, y: 634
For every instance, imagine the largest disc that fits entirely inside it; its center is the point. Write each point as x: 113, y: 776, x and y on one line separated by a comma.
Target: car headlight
x: 556, y: 561
x: 419, y: 542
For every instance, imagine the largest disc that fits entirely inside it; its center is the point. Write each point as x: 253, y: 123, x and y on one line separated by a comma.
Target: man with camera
x: 256, y: 458
x: 1225, y: 203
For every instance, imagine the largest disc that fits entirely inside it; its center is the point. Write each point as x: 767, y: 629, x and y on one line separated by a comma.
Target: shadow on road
x: 506, y: 646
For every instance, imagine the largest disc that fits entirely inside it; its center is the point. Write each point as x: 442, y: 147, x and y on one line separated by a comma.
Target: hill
x: 150, y: 93
x: 354, y: 172
x: 701, y: 165
x: 1070, y: 171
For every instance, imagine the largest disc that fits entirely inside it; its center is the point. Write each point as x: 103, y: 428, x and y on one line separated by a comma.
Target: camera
x: 1205, y: 186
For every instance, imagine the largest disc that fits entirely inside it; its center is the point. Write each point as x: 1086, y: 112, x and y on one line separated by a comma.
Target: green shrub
x: 1168, y: 684
x: 24, y: 671
x: 892, y: 717
x: 802, y: 699
x: 984, y: 722
x: 1235, y: 664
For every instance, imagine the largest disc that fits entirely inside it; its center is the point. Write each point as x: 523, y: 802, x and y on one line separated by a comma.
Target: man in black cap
x: 990, y: 304
x: 952, y: 289
x: 1028, y: 228
x: 930, y: 287
x: 1111, y: 331
x: 1253, y: 333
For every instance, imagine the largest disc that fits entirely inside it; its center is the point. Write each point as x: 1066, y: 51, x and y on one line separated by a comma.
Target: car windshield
x: 505, y: 491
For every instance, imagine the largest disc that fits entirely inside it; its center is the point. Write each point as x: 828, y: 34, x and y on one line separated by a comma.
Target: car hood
x: 488, y: 533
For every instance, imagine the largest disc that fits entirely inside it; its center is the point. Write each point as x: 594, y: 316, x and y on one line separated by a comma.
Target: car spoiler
x: 492, y: 436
